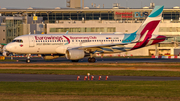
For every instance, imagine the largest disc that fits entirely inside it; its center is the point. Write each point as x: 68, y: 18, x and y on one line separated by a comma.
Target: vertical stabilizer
x: 151, y: 24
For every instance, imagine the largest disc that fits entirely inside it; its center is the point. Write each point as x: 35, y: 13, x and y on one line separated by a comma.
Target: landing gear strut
x: 91, y: 59
x: 28, y: 59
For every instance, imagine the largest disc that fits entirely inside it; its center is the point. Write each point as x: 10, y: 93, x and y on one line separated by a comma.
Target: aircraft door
x: 31, y: 41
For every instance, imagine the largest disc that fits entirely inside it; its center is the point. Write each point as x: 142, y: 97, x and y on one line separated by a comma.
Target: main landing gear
x: 28, y: 59
x: 91, y: 59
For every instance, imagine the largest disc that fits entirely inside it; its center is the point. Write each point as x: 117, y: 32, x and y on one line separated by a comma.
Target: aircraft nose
x: 4, y: 48
x: 9, y: 47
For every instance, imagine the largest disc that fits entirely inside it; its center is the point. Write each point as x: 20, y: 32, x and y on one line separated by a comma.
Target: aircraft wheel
x: 28, y: 61
x: 89, y: 59
x: 92, y: 60
x: 74, y: 60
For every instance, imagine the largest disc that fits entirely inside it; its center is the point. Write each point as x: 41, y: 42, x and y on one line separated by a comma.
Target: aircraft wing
x: 116, y: 47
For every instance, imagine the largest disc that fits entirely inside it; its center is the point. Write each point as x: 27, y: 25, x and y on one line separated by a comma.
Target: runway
x: 59, y: 78
x: 55, y: 78
x: 98, y: 60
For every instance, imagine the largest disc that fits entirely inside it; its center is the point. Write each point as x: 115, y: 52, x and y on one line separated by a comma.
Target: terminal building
x: 78, y: 19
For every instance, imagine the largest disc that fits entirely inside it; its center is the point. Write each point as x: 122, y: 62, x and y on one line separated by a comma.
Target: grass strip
x: 157, y: 89
x: 94, y: 72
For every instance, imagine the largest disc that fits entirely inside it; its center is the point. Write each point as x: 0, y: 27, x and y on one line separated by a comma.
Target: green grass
x: 94, y: 72
x: 159, y: 89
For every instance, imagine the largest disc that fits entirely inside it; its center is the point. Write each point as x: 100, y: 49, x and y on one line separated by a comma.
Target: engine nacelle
x: 75, y: 54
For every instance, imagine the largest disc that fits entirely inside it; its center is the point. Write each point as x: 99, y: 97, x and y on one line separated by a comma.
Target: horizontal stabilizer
x: 160, y: 38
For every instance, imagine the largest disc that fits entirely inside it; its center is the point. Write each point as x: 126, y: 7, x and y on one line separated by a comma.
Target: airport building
x: 78, y: 19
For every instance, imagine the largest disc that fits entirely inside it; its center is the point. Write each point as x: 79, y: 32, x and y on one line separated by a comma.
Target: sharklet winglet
x: 67, y: 32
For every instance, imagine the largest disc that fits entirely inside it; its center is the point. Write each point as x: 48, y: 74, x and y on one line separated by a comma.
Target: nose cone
x: 4, y: 48
x: 9, y: 48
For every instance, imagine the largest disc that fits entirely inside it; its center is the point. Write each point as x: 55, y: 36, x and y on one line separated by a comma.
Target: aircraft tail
x: 151, y: 24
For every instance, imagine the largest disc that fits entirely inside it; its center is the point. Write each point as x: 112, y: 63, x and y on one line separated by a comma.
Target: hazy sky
x: 62, y: 3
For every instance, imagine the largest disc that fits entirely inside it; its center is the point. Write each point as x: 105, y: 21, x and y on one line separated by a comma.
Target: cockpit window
x: 18, y: 40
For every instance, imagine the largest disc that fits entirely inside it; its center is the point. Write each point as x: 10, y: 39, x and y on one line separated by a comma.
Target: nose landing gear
x: 28, y: 59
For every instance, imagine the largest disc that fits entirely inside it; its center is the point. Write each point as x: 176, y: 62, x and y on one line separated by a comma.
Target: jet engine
x: 75, y: 54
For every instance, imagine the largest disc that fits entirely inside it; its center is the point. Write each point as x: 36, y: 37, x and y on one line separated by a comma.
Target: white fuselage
x: 58, y: 44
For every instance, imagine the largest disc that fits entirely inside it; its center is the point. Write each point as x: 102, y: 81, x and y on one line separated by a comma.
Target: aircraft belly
x: 39, y: 50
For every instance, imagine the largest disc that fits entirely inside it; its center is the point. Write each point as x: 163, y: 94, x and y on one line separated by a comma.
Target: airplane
x: 78, y: 46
